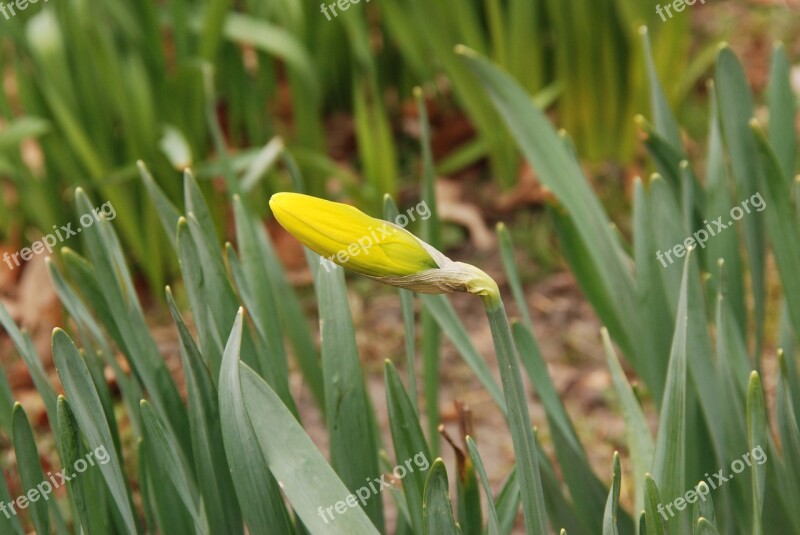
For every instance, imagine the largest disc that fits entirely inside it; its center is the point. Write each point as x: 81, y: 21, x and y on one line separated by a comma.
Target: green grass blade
x: 666, y: 125
x: 438, y: 510
x: 612, y: 504
x: 789, y: 433
x: 408, y: 440
x: 782, y: 107
x: 90, y: 505
x: 507, y: 502
x: 167, y: 212
x: 212, y: 473
x: 518, y: 419
x: 196, y: 205
x: 87, y: 408
x: 354, y: 450
x: 93, y: 337
x: 782, y: 226
x: 445, y: 315
x: 293, y: 320
x: 669, y: 463
x: 167, y: 462
x: 30, y: 471
x: 557, y: 170
x: 469, y: 515
x: 493, y: 524
x: 164, y: 510
x: 705, y: 507
x: 431, y: 232
x: 295, y: 460
x: 123, y: 308
x: 652, y: 500
x: 258, y: 493
x: 757, y: 438
x: 8, y: 523
x: 719, y: 201
x: 258, y: 295
x: 407, y: 307
x: 507, y: 255
x: 640, y: 442
x: 560, y: 509
x: 704, y: 527
x: 736, y: 109
x: 588, y: 492
x: 654, y: 310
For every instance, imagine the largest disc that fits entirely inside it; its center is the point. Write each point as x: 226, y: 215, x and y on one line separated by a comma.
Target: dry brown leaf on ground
x: 38, y: 305
x: 453, y: 208
x: 527, y: 191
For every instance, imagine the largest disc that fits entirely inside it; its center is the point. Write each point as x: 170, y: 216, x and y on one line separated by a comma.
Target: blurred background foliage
x: 206, y: 84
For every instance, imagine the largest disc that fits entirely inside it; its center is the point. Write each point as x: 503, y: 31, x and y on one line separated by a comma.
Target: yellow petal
x: 349, y: 237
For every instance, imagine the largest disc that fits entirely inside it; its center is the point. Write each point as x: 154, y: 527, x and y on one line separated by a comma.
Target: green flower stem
x: 518, y: 417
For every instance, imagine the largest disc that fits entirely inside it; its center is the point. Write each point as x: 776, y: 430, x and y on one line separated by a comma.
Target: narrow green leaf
x: 166, y: 511
x: 558, y: 171
x: 258, y: 294
x: 86, y: 405
x: 519, y: 420
x: 168, y: 461
x: 736, y: 109
x: 30, y: 471
x: 295, y: 460
x: 438, y: 510
x: 560, y: 508
x: 653, y: 507
x: 507, y: 502
x: 8, y: 523
x: 123, y: 308
x: 212, y: 472
x: 665, y: 121
x: 408, y: 441
x: 757, y: 437
x: 725, y: 245
x: 782, y: 226
x: 407, y: 307
x: 704, y: 506
x: 507, y: 255
x: 89, y: 504
x: 587, y: 491
x: 196, y: 204
x: 640, y: 441
x: 669, y: 463
x: 612, y: 504
x: 258, y: 493
x: 493, y: 526
x: 704, y: 527
x: 782, y: 107
x: 789, y: 432
x: 354, y: 450
x: 445, y: 315
x: 167, y: 212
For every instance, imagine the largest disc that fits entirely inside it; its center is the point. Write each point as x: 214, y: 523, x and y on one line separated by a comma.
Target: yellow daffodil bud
x: 344, y: 235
